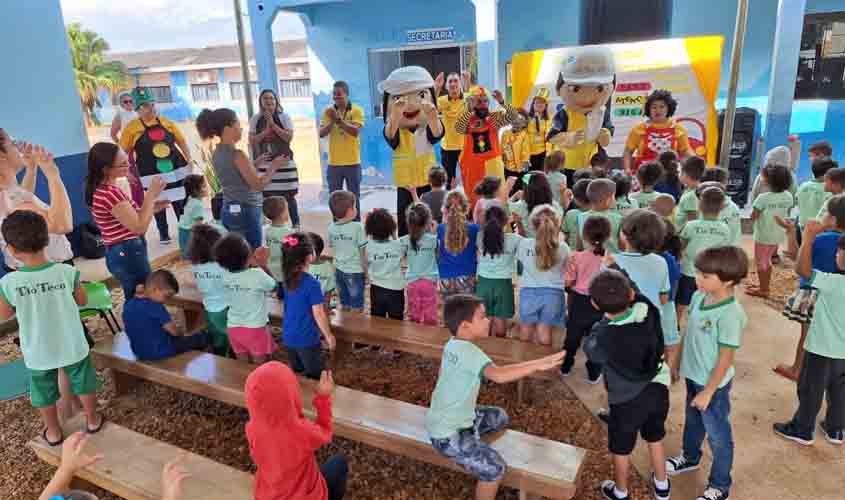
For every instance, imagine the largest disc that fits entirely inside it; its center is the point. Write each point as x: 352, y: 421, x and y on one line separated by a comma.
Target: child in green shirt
x: 323, y: 269
x: 45, y: 297
x: 624, y: 203
x: 602, y: 196
x: 552, y: 166
x: 648, y: 175
x: 420, y: 250
x: 582, y: 204
x: 730, y: 213
x: 454, y: 421
x: 496, y: 264
x: 768, y: 231
x: 691, y: 171
x: 275, y: 208
x: 713, y: 335
x: 384, y: 266
x: 347, y: 240
x: 194, y: 211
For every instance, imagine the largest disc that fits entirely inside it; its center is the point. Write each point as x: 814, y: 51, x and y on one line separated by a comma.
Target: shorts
x: 644, y: 415
x: 686, y: 287
x: 763, y: 255
x: 253, y: 341
x: 306, y: 361
x: 546, y: 306
x: 44, y: 384
x: 217, y: 330
x: 387, y: 303
x: 799, y: 307
x: 459, y: 285
x: 350, y: 288
x: 497, y: 295
x: 466, y: 448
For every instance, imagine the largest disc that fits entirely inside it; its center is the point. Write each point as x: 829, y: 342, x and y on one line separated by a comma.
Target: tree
x: 92, y: 71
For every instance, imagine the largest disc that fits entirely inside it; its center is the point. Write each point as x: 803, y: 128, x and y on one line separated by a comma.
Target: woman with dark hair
x: 539, y: 125
x: 271, y: 133
x: 119, y: 219
x: 656, y: 134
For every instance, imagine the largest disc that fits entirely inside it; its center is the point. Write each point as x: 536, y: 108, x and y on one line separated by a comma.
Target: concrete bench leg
x: 123, y: 382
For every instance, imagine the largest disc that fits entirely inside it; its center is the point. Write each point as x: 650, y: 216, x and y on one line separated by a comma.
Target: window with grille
x: 238, y: 90
x: 161, y: 94
x: 295, y: 88
x: 205, y: 92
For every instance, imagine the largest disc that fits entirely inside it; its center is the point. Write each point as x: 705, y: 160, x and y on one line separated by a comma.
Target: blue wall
x: 339, y: 36
x: 39, y: 102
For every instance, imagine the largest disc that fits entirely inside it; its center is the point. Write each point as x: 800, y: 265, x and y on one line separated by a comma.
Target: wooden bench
x: 535, y: 465
x: 132, y: 463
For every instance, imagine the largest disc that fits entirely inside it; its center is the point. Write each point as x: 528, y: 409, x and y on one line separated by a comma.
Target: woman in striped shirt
x: 120, y: 220
x: 271, y: 133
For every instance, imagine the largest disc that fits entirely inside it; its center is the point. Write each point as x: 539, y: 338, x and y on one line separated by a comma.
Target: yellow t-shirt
x: 637, y: 137
x: 515, y: 149
x: 537, y: 136
x: 344, y: 149
x: 135, y: 129
x: 450, y: 111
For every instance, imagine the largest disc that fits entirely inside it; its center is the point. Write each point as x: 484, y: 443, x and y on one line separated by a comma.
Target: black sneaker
x: 789, y: 431
x: 679, y: 465
x: 608, y: 490
x: 660, y: 493
x: 593, y: 379
x: 833, y: 437
x: 565, y: 371
x: 712, y: 493
x: 604, y: 415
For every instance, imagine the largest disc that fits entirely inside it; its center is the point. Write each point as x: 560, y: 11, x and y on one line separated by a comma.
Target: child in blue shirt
x: 208, y: 275
x: 152, y: 333
x: 457, y: 249
x: 304, y: 318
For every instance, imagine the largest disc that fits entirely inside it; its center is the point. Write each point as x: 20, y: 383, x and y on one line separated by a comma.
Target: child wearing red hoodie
x: 282, y: 441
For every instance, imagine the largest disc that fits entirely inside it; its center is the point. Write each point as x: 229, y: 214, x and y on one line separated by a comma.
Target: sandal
x: 89, y: 430
x: 52, y: 443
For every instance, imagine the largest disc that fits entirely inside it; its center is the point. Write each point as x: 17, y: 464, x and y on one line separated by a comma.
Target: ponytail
x: 547, y: 243
x: 211, y: 123
x: 101, y: 156
x: 493, y: 237
x: 456, y: 236
x: 419, y: 219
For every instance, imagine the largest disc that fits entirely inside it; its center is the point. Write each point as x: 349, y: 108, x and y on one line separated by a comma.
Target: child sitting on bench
x: 454, y: 422
x: 152, y: 333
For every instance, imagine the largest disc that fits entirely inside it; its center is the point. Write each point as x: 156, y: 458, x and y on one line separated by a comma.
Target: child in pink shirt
x: 580, y: 269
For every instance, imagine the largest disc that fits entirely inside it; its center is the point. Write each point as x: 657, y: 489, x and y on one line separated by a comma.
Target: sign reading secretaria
x: 431, y: 35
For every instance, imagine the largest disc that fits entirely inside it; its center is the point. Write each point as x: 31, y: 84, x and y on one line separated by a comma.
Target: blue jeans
x: 335, y: 471
x: 335, y: 176
x: 246, y: 222
x: 715, y: 423
x: 128, y: 263
x: 350, y: 288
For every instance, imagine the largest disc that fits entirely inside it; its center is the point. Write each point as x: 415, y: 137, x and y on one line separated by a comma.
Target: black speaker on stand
x: 746, y: 132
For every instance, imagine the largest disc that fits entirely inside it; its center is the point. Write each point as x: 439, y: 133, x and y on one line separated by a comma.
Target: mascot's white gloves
x: 604, y: 138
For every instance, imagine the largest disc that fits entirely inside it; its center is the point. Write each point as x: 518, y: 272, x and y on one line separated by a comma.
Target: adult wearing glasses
x: 124, y: 114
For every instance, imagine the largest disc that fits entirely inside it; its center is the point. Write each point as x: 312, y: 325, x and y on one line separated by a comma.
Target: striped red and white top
x: 105, y: 198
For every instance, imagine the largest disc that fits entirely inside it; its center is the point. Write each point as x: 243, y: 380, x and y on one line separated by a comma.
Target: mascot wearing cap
x: 582, y: 128
x: 481, y: 155
x: 412, y: 127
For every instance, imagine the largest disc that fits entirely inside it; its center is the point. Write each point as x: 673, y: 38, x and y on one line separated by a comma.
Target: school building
x: 792, y: 68
x: 184, y: 81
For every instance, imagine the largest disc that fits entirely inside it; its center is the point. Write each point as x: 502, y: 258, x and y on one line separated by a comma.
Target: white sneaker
x: 679, y: 465
x: 713, y: 494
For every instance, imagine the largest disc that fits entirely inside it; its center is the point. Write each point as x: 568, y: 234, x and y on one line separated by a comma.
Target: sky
x: 168, y: 24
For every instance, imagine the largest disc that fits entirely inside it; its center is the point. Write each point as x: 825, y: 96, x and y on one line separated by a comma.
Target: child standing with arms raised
x: 495, y: 269
x: 713, y: 334
x: 304, y: 318
x: 420, y: 248
x: 347, y: 239
x: 768, y: 233
x: 44, y: 296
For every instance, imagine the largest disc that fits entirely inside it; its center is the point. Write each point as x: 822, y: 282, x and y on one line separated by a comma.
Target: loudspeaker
x: 616, y: 21
x: 746, y: 132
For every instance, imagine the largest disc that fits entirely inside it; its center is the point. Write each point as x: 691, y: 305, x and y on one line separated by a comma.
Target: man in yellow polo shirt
x: 342, y: 122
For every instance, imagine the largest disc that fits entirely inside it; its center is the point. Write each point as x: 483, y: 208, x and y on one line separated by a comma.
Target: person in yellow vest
x: 412, y: 128
x: 516, y: 151
x: 656, y: 134
x: 539, y: 125
x: 342, y: 124
x: 583, y: 126
x: 451, y: 107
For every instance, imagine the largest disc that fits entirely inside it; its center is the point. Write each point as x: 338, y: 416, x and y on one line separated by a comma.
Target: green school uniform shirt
x: 625, y: 204
x: 645, y: 198
x: 193, y: 212
x: 709, y: 328
x: 48, y: 317
x: 556, y: 179
x: 501, y: 266
x: 422, y: 262
x: 811, y: 197
x: 455, y: 395
x: 827, y: 330
x: 570, y: 227
x: 209, y: 279
x: 766, y: 229
x: 521, y: 208
x: 687, y: 203
x: 273, y: 237
x: 615, y: 219
x: 384, y: 264
x: 731, y: 216
x: 246, y: 294
x: 701, y: 234
x: 324, y: 272
x: 532, y: 277
x: 346, y: 240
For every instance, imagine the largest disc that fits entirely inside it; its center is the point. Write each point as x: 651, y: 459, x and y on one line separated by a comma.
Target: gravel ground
x: 196, y: 424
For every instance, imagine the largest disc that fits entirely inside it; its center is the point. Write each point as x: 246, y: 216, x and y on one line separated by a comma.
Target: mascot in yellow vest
x: 583, y: 128
x: 411, y: 128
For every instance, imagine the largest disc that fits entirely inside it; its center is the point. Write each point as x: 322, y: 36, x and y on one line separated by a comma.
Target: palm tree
x: 92, y: 72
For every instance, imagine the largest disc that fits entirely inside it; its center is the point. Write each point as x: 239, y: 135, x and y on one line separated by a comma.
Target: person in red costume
x: 282, y: 441
x: 656, y: 134
x: 481, y: 155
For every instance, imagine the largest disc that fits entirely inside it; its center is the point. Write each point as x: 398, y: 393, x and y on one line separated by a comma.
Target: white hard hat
x: 406, y: 79
x: 780, y: 155
x: 589, y: 65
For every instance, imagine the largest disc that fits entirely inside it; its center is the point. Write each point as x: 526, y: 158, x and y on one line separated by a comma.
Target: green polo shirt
x: 710, y: 328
